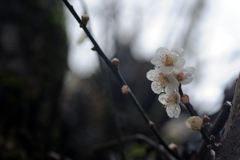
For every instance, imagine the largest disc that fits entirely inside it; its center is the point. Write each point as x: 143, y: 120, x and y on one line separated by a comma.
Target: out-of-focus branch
x: 114, y: 143
x: 116, y: 72
x: 216, y: 128
x: 229, y: 146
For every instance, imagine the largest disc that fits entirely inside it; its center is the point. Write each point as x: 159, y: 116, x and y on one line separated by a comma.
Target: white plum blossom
x: 161, y: 81
x: 167, y: 60
x: 184, y: 75
x: 171, y: 103
x: 194, y: 123
x: 167, y: 76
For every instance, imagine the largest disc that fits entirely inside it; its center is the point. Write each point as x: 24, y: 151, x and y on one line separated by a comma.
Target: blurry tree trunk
x: 33, y: 51
x: 230, y: 143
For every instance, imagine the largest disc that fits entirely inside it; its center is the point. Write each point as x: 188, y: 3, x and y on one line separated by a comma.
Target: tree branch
x: 122, y: 81
x: 193, y: 113
x: 230, y: 142
x: 216, y: 128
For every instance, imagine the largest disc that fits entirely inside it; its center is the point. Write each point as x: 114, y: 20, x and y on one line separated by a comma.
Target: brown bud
x: 185, y: 99
x: 115, y: 62
x: 209, y: 146
x: 151, y: 124
x: 205, y: 120
x: 85, y: 20
x: 125, y: 89
x: 173, y: 147
x: 212, y: 138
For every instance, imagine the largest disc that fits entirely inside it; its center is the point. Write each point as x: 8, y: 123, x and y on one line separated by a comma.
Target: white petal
x: 166, y: 70
x: 152, y: 75
x: 187, y: 80
x: 156, y: 87
x: 179, y: 50
x: 162, y: 50
x: 173, y: 111
x: 157, y: 61
x: 179, y: 63
x: 189, y: 70
x: 168, y: 90
x: 188, y: 124
x: 173, y: 82
x: 162, y: 98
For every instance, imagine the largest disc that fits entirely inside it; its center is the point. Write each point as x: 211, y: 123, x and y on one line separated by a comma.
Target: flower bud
x: 185, y: 98
x: 125, y: 89
x: 115, y: 62
x: 85, y: 20
x: 209, y: 146
x: 173, y: 147
x: 205, y: 120
x: 194, y: 123
x: 151, y: 124
x: 212, y: 138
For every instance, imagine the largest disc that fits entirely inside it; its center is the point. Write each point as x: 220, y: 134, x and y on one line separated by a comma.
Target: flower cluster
x: 168, y: 73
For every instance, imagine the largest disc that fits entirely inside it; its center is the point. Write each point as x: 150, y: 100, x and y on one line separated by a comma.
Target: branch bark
x: 229, y: 147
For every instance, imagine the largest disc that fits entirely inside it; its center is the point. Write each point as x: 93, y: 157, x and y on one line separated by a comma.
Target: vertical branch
x: 230, y: 142
x: 193, y: 113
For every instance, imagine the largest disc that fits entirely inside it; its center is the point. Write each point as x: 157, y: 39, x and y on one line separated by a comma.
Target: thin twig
x: 122, y: 81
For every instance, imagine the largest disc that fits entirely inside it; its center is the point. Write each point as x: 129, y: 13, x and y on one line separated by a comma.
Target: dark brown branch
x: 230, y: 142
x: 216, y: 128
x: 121, y: 80
x: 193, y: 113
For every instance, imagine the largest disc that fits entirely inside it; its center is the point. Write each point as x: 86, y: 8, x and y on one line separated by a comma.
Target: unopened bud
x: 151, y: 124
x: 173, y: 147
x: 194, y: 123
x: 209, y: 146
x: 212, y: 138
x: 115, y: 62
x: 185, y: 98
x: 85, y: 20
x: 125, y: 89
x: 205, y: 120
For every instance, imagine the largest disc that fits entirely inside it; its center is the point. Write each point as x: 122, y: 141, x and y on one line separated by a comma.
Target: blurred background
x: 60, y: 101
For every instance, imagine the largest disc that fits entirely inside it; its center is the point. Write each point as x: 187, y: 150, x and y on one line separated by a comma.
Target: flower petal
x: 189, y: 71
x: 173, y: 111
x: 178, y: 50
x: 162, y: 98
x: 157, y: 61
x: 179, y: 63
x: 173, y: 82
x: 162, y: 51
x: 166, y: 69
x: 156, y: 87
x: 187, y: 80
x: 152, y: 75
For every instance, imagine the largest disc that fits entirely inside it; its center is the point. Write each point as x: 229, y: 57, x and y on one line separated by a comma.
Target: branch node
x: 151, y: 124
